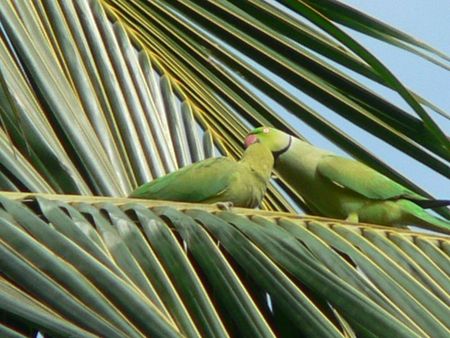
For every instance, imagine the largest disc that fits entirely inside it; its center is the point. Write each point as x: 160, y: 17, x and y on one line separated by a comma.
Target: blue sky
x: 428, y: 21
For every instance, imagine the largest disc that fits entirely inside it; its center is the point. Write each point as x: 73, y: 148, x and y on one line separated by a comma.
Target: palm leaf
x: 99, y: 97
x: 118, y: 267
x: 113, y: 135
x: 363, y: 23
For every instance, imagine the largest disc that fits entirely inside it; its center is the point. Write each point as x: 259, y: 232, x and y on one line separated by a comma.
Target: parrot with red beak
x: 216, y: 180
x: 338, y: 187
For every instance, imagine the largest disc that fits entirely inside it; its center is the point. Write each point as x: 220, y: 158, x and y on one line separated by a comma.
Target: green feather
x: 362, y: 179
x: 216, y: 180
x: 338, y: 187
x: 193, y: 183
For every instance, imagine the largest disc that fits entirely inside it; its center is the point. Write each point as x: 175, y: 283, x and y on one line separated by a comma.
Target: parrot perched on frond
x: 216, y: 180
x: 338, y: 187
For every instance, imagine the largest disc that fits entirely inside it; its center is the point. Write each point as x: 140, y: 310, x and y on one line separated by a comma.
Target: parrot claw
x: 224, y: 205
x: 353, y: 217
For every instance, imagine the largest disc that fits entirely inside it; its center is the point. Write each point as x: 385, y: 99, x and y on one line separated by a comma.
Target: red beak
x: 250, y: 139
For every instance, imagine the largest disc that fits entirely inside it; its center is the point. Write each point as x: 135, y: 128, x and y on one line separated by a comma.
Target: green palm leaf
x: 97, y: 97
x: 113, y: 266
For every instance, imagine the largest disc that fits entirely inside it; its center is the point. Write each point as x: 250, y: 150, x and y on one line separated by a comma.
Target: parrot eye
x: 266, y: 130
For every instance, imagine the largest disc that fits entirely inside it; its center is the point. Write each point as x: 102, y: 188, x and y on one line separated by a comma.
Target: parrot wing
x: 194, y: 183
x: 362, y: 179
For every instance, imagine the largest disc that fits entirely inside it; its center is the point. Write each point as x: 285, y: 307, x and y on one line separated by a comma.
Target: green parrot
x: 338, y: 187
x: 216, y: 180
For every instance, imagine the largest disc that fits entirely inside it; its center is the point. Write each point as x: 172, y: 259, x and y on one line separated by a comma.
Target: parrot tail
x: 431, y: 204
x: 431, y: 222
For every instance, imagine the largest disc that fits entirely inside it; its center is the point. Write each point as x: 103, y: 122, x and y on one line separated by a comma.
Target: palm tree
x: 100, y: 96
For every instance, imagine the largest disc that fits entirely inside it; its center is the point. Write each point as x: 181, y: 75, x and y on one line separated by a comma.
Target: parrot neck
x: 280, y: 152
x: 260, y: 159
x: 302, y: 149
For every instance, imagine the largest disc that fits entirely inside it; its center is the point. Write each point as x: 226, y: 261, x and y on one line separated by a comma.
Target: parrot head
x: 277, y: 141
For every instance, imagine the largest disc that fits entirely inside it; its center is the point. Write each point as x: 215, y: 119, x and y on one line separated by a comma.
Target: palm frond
x: 365, y: 24
x: 96, y: 265
x: 97, y: 97
x: 94, y: 107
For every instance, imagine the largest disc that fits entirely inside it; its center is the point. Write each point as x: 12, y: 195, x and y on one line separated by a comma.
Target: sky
x: 428, y: 21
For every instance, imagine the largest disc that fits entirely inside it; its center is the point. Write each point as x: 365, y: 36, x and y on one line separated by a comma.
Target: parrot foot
x: 224, y: 205
x: 353, y: 217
